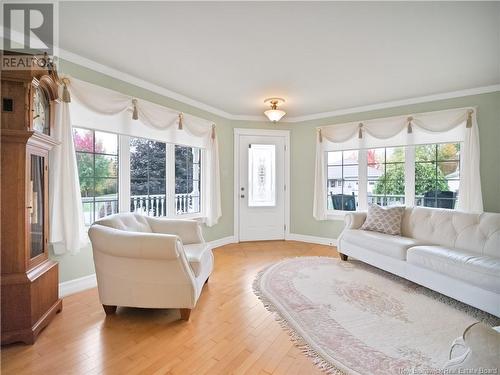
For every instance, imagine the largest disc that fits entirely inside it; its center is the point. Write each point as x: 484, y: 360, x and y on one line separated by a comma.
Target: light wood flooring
x: 229, y: 332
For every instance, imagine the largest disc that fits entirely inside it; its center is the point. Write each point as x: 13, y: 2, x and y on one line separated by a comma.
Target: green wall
x: 302, y: 158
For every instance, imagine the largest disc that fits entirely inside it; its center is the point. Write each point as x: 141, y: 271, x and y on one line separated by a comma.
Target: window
x: 424, y: 175
x: 187, y: 180
x: 386, y: 176
x: 437, y: 175
x: 261, y: 175
x: 148, y: 171
x: 97, y: 161
x: 343, y: 180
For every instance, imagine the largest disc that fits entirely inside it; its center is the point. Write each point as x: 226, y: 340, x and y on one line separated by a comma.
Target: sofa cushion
x: 384, y: 220
x: 480, y: 270
x: 386, y: 244
x: 199, y: 257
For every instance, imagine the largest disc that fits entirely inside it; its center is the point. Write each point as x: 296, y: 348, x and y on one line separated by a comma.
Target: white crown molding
x: 112, y: 72
x: 396, y: 103
x: 115, y: 73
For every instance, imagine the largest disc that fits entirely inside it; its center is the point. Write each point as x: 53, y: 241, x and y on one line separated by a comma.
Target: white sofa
x: 148, y: 262
x: 452, y: 252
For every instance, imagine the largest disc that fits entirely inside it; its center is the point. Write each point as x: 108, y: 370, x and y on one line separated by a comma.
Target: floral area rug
x: 352, y: 318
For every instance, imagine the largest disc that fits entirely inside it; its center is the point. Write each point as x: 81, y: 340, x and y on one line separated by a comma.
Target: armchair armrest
x: 354, y: 220
x: 120, y: 243
x: 189, y: 231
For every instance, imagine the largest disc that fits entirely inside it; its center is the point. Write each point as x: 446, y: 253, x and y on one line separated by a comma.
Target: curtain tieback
x: 360, y: 131
x: 181, y: 121
x: 410, y: 129
x: 135, y: 113
x: 469, y: 118
x: 66, y: 97
x: 213, y: 131
x: 320, y: 136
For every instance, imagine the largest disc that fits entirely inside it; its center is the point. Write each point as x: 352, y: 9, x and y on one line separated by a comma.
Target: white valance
x: 111, y: 111
x: 411, y: 129
x: 455, y: 125
x: 107, y: 110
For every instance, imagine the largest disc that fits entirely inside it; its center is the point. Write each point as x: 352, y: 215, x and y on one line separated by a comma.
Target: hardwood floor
x: 229, y: 331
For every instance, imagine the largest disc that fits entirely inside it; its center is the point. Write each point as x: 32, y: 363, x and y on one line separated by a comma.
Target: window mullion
x: 363, y: 180
x: 410, y: 176
x: 124, y: 173
x: 170, y: 176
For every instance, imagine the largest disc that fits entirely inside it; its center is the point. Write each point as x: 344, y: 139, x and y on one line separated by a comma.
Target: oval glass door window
x: 261, y: 175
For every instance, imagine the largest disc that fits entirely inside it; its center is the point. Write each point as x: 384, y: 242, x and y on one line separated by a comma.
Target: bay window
x: 154, y: 178
x: 422, y: 175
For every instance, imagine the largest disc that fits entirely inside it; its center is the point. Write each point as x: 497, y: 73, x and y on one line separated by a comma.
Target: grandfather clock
x: 29, y: 279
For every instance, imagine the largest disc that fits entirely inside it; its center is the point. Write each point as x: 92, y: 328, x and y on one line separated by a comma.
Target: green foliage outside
x: 427, y: 176
x: 147, y: 167
x: 93, y: 181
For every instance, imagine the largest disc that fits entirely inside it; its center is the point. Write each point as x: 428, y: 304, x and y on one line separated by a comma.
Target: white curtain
x: 455, y: 125
x: 107, y: 110
x: 319, y: 205
x: 470, y: 198
x: 67, y: 229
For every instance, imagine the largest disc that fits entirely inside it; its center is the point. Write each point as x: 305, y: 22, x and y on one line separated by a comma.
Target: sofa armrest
x: 125, y: 244
x: 189, y: 231
x: 354, y: 220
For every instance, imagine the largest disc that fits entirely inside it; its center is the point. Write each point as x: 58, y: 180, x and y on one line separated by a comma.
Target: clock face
x: 41, y: 111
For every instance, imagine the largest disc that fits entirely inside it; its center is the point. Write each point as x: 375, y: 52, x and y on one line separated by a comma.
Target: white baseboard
x: 77, y: 285
x: 312, y: 239
x: 222, y: 241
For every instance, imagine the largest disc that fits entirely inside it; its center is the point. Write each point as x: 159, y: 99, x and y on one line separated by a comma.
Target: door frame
x: 260, y: 133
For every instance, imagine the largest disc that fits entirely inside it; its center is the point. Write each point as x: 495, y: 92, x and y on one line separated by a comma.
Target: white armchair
x: 148, y: 262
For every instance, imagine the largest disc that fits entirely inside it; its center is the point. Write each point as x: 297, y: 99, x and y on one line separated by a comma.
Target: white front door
x: 261, y: 190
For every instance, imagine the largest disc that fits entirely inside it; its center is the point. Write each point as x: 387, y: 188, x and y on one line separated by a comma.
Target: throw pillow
x: 384, y: 220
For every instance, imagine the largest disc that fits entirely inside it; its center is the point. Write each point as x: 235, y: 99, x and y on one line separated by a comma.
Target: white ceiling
x: 320, y: 56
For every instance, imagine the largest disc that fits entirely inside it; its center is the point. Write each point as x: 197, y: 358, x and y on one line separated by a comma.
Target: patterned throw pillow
x: 384, y: 220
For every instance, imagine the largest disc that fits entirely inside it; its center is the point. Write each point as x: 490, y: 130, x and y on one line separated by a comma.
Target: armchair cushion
x: 199, y: 257
x: 130, y: 222
x: 120, y: 243
x: 189, y: 231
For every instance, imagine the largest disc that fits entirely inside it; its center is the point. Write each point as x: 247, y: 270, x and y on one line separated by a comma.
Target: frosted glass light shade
x: 274, y: 115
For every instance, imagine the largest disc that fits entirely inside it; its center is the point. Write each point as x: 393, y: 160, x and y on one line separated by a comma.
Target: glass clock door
x: 36, y: 194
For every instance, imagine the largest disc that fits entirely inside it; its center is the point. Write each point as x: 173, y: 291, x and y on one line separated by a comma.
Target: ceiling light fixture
x: 274, y: 114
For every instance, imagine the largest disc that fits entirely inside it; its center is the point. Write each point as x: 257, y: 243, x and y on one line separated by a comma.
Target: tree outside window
x: 97, y: 162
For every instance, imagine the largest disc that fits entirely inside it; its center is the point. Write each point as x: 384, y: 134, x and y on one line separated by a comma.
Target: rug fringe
x: 297, y: 339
